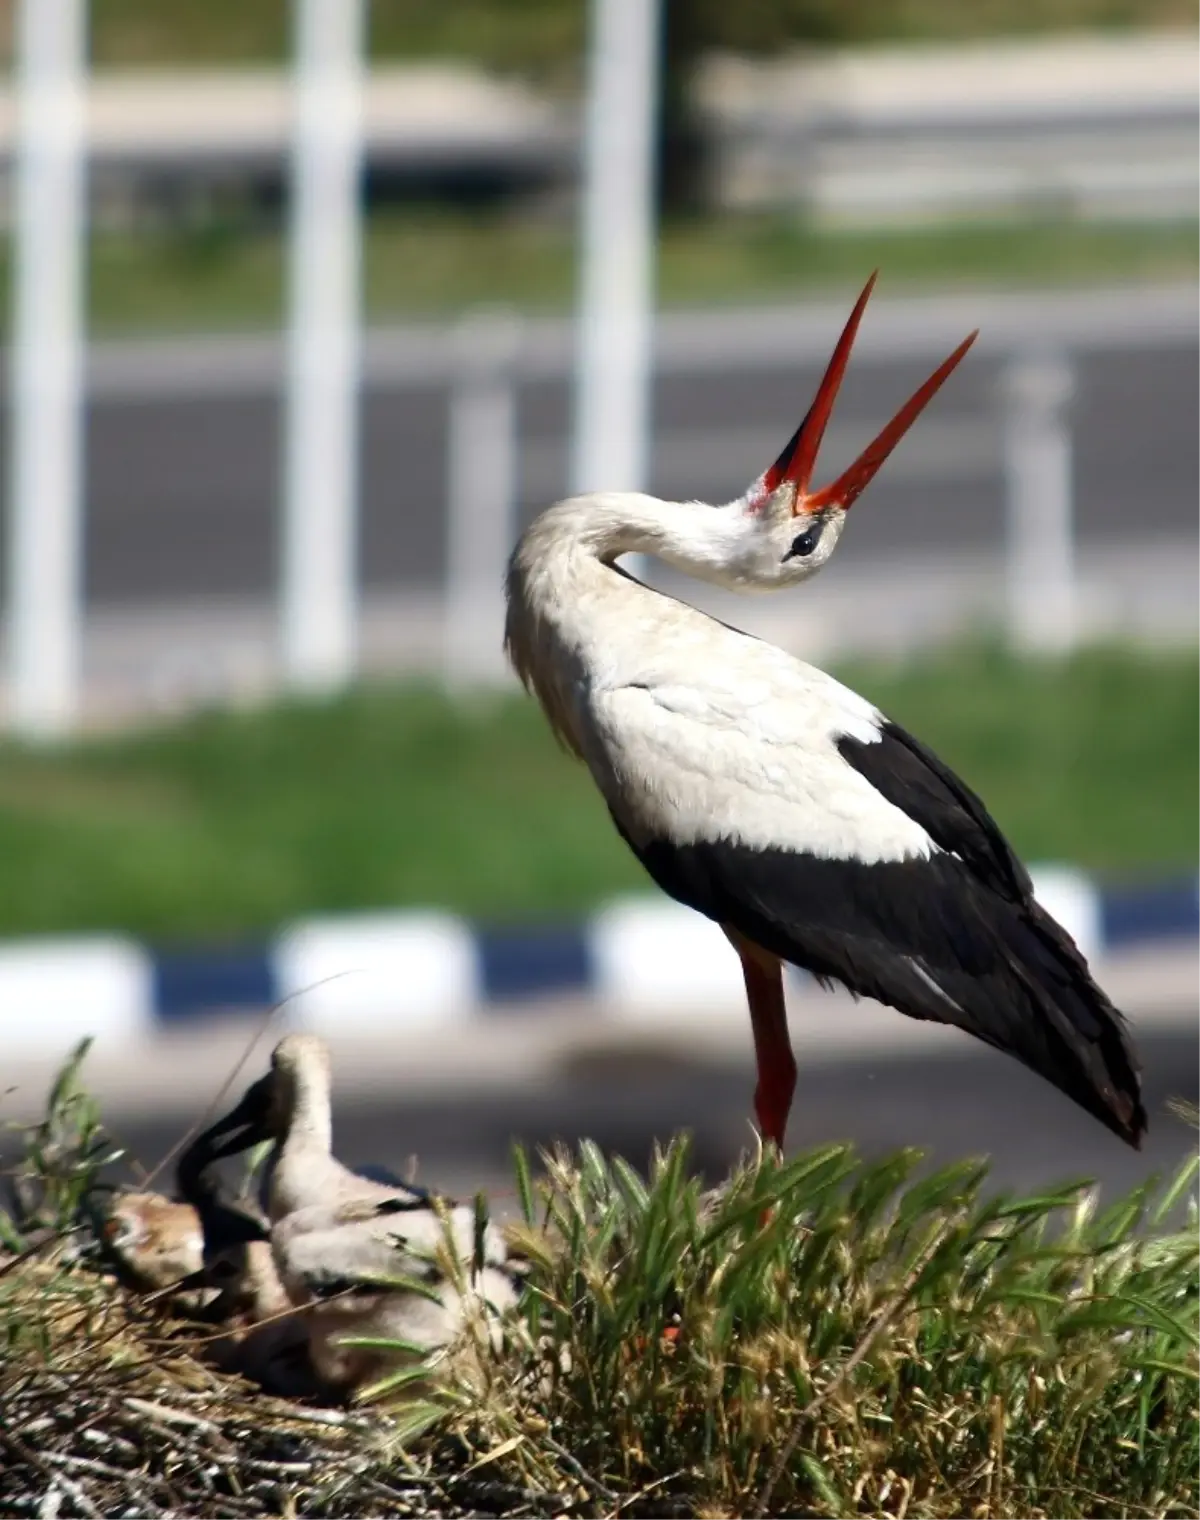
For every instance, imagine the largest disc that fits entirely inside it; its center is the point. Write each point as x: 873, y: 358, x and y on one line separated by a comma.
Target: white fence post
x: 319, y: 594
x: 1041, y: 591
x: 481, y: 473
x: 613, y: 373
x: 45, y: 580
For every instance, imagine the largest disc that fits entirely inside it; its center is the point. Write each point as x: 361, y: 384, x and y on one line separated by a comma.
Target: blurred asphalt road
x: 974, y: 1102
x: 183, y: 508
x: 183, y: 497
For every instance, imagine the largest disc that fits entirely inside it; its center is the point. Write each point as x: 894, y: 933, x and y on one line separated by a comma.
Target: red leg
x: 763, y: 975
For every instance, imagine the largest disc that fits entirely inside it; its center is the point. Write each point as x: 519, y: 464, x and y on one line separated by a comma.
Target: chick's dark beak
x: 242, y: 1127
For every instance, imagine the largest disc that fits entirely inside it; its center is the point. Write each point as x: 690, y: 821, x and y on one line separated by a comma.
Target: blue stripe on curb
x: 528, y: 962
x: 191, y: 982
x: 431, y: 968
x: 1168, y: 910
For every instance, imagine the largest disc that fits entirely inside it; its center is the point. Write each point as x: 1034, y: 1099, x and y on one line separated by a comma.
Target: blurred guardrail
x: 325, y: 357
x: 467, y: 387
x: 1086, y: 126
x: 163, y: 142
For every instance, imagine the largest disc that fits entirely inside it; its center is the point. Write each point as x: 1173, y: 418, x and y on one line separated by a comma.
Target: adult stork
x: 791, y: 811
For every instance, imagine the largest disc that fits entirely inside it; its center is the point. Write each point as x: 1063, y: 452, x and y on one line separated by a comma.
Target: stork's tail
x: 1089, y: 1053
x: 1023, y: 987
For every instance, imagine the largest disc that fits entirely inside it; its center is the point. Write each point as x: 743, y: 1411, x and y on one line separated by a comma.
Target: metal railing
x: 319, y: 604
x: 1022, y: 436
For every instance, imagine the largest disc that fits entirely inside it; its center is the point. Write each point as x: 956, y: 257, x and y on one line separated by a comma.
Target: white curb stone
x: 388, y: 972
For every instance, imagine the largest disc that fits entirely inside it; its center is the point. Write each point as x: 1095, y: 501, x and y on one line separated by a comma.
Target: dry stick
x: 43, y: 1238
x: 89, y: 1464
x: 168, y: 1416
x: 334, y: 1417
x: 643, y: 1492
x: 1088, y: 1493
x: 31, y: 1458
x: 572, y: 1464
x: 136, y: 1480
x: 881, y: 1320
x: 51, y: 1502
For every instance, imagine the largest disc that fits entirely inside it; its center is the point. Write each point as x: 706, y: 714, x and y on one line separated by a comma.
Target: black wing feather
x: 956, y: 938
x: 417, y: 1202
x: 912, y: 778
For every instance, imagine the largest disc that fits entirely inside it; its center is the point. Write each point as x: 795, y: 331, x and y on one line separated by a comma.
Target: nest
x: 108, y: 1407
x: 823, y: 1336
x: 115, y: 1400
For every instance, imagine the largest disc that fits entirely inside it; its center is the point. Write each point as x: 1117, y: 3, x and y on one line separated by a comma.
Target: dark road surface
x: 182, y: 490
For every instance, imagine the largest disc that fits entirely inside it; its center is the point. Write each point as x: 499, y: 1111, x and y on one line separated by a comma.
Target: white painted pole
x: 481, y: 496
x: 1042, y: 599
x: 45, y: 581
x: 319, y: 612
x: 612, y: 388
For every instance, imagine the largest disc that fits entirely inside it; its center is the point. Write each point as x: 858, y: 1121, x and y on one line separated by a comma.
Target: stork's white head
x: 777, y: 533
x: 780, y: 532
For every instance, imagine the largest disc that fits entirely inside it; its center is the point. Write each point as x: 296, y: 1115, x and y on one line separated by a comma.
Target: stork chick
x: 783, y: 806
x: 237, y: 1259
x: 266, y: 1339
x: 365, y: 1258
x: 154, y: 1241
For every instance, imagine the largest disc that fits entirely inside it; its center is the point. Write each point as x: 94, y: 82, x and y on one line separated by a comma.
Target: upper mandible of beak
x: 238, y: 1130
x: 795, y: 464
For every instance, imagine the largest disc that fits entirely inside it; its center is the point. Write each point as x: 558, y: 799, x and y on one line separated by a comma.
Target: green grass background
x: 230, y: 823
x: 544, y: 38
x: 416, y: 264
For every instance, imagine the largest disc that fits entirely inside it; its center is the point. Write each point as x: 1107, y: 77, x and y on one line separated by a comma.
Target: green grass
x: 433, y: 265
x: 539, y: 36
x: 545, y: 37
x: 830, y: 1337
x: 231, y: 823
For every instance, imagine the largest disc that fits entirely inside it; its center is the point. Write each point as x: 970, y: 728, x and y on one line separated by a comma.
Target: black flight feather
x: 955, y: 938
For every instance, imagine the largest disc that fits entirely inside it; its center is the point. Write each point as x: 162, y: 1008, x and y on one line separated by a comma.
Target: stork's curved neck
x: 311, y: 1118
x: 570, y: 608
x: 305, y: 1145
x: 694, y: 537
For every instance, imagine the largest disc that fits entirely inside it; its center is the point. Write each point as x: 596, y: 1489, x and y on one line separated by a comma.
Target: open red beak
x: 796, y: 462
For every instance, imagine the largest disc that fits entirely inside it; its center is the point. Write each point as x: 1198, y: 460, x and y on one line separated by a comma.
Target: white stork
x: 761, y: 792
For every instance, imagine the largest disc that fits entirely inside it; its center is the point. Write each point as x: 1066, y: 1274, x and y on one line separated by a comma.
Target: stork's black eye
x: 804, y: 543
